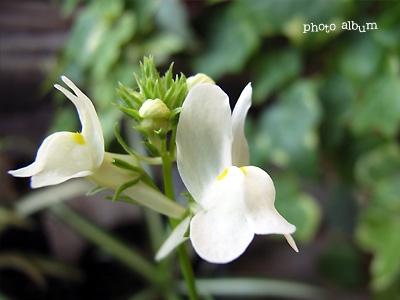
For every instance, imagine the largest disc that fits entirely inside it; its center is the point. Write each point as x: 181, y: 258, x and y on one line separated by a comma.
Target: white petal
x: 91, y: 127
x: 221, y: 233
x: 175, y: 239
x: 240, y: 148
x: 203, y: 138
x: 260, y: 198
x: 59, y: 158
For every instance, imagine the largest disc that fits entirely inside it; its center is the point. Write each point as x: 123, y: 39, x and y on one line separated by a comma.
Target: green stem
x: 116, y: 248
x: 184, y: 260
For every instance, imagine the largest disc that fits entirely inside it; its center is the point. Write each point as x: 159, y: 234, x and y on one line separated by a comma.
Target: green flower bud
x: 197, y: 79
x: 155, y: 115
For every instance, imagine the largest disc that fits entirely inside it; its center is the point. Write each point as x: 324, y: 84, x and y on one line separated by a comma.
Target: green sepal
x: 131, y: 98
x: 132, y: 113
x: 142, y: 131
x: 126, y: 166
x: 175, y: 112
x: 152, y: 149
x: 180, y: 95
x: 168, y: 76
x: 189, y: 196
x: 161, y: 134
x: 95, y: 190
x: 144, y: 89
x: 123, y: 187
x: 169, y: 95
x: 174, y: 117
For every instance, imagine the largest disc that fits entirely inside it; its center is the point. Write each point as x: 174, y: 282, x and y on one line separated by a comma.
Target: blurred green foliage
x: 326, y: 111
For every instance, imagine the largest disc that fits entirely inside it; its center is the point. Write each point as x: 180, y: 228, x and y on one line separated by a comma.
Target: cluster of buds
x: 156, y: 104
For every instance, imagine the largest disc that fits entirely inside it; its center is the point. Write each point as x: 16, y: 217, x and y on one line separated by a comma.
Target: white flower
x: 236, y: 201
x: 66, y: 155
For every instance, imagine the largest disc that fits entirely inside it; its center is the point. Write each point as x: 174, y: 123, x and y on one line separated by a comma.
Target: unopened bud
x: 155, y: 115
x: 197, y: 79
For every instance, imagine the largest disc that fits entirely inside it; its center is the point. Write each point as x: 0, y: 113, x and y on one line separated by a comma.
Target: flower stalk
x: 185, y: 264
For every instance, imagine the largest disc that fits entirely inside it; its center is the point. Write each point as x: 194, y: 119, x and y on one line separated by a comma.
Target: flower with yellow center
x: 66, y: 155
x: 236, y: 200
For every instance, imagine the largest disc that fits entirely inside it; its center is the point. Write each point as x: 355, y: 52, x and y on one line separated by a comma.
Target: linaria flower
x: 66, y: 155
x: 235, y: 200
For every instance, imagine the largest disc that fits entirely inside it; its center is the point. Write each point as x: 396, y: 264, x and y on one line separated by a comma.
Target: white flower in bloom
x: 236, y: 201
x: 66, y: 155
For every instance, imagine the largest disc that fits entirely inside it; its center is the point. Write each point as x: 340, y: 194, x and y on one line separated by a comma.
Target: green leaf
x: 338, y: 254
x: 388, y: 33
x: 337, y: 98
x: 109, y: 49
x: 287, y: 133
x: 361, y: 58
x: 377, y: 164
x: 123, y: 187
x: 275, y: 69
x: 126, y: 166
x: 271, y: 18
x: 178, y: 24
x: 152, y: 149
x: 162, y: 45
x: 96, y: 190
x: 230, y: 43
x: 378, y: 109
x: 378, y: 233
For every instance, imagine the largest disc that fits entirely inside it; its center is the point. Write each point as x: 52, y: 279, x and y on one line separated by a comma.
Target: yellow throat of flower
x: 222, y: 176
x: 79, y: 139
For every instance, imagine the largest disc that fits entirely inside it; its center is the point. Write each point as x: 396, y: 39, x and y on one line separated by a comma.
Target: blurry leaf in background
x: 37, y: 267
x: 172, y: 17
x: 162, y: 45
x: 342, y: 264
x: 271, y: 18
x: 378, y: 233
x: 378, y: 171
x: 378, y: 109
x: 337, y: 99
x: 274, y: 70
x: 145, y: 11
x: 230, y: 42
x: 361, y: 59
x: 90, y: 31
x: 341, y: 209
x: 9, y: 218
x: 287, y: 133
x: 388, y: 33
x: 297, y: 207
x: 109, y: 49
x: 376, y: 165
